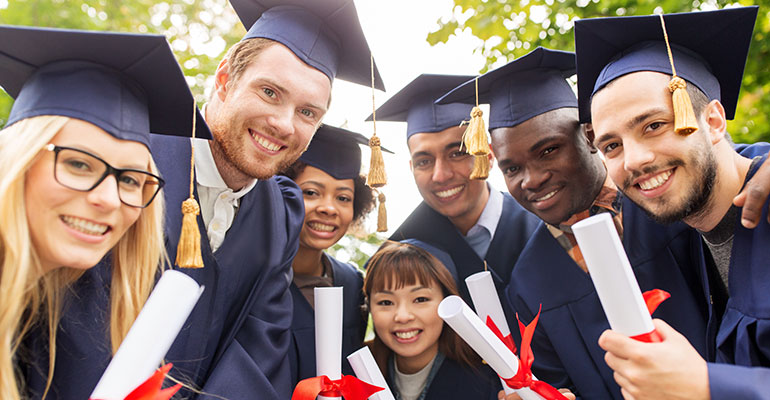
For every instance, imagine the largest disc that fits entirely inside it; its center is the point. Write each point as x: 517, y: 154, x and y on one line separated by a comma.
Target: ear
x: 589, y: 135
x: 490, y: 157
x: 410, y: 165
x: 221, y: 78
x: 714, y: 116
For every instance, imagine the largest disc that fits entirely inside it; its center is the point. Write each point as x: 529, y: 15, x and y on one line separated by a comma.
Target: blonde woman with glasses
x: 77, y: 182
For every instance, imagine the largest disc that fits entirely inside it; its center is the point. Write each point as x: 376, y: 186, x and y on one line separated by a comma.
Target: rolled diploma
x: 328, y: 333
x: 612, y: 275
x: 487, y: 304
x: 150, y: 336
x: 366, y: 369
x: 461, y: 318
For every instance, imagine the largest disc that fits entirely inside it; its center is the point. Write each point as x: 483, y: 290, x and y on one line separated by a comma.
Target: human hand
x: 513, y: 396
x: 753, y: 197
x: 671, y: 369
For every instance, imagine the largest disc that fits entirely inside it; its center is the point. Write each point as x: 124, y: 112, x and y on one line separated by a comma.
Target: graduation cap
x: 128, y: 92
x: 325, y: 34
x: 336, y: 151
x: 708, y: 50
x: 441, y: 255
x: 414, y: 104
x: 522, y: 89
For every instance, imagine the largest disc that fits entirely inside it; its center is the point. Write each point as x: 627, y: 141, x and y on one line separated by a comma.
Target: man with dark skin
x: 552, y: 169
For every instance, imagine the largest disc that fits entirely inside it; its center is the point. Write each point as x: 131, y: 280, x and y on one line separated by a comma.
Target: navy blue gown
x: 515, y: 227
x: 236, y: 341
x: 741, y: 337
x: 565, y: 344
x: 453, y: 380
x: 302, y: 348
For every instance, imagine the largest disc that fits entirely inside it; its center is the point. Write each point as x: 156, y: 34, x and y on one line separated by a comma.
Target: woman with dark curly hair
x: 336, y: 197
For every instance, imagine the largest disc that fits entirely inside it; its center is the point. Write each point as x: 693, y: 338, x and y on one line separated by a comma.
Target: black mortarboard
x: 127, y: 84
x: 336, y: 151
x: 325, y: 34
x: 414, y: 104
x: 709, y: 51
x: 441, y: 255
x: 524, y: 88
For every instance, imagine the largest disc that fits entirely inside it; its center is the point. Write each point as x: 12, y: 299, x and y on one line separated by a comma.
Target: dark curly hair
x: 363, y: 195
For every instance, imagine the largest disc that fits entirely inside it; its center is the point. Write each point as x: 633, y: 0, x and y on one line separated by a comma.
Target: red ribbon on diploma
x: 151, y: 388
x: 348, y: 387
x: 652, y: 298
x: 523, y: 377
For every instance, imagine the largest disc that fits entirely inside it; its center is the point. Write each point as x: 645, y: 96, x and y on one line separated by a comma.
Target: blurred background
x: 407, y: 38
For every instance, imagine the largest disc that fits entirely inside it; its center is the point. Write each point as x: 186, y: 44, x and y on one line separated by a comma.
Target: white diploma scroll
x: 150, y: 336
x: 612, y: 275
x: 328, y: 333
x: 461, y: 318
x: 366, y: 369
x: 487, y: 304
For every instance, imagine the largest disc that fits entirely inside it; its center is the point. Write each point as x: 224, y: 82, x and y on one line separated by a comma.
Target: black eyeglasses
x: 82, y: 171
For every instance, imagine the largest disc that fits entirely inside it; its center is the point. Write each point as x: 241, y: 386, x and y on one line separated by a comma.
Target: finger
x: 756, y: 193
x: 626, y: 395
x: 616, y: 343
x: 567, y: 394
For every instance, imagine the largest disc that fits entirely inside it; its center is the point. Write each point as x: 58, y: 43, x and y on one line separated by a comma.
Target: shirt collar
x: 491, y: 214
x: 206, y: 172
x: 609, y: 199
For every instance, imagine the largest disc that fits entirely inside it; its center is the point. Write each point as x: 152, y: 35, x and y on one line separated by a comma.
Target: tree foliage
x: 199, y: 31
x: 512, y: 28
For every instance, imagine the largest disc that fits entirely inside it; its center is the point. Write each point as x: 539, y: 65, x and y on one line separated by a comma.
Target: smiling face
x: 264, y: 119
x: 669, y: 175
x: 328, y: 208
x: 406, y: 320
x: 549, y: 166
x: 442, y: 174
x: 76, y: 229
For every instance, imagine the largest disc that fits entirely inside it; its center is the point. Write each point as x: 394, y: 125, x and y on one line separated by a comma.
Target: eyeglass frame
x: 110, y: 170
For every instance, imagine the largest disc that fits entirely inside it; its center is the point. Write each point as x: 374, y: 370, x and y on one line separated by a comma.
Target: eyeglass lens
x: 81, y: 171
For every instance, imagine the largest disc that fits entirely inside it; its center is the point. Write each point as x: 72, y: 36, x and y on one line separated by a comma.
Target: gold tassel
x: 480, y: 168
x: 475, y: 135
x: 382, y: 214
x: 377, y: 177
x: 188, y: 251
x: 685, y: 122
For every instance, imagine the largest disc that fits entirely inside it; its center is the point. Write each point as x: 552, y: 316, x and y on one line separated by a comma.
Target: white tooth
x: 321, y: 227
x: 655, y: 181
x: 449, y: 192
x: 406, y: 335
x: 548, y: 196
x: 85, y: 226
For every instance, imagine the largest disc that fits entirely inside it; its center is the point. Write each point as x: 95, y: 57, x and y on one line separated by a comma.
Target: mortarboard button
x: 336, y: 151
x: 414, y: 104
x: 325, y: 34
x: 522, y: 89
x: 709, y: 51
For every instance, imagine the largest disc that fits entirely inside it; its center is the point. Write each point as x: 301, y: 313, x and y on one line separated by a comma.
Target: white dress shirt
x: 218, y: 202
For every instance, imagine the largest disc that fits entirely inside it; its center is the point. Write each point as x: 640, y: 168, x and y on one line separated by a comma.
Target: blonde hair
x: 137, y: 258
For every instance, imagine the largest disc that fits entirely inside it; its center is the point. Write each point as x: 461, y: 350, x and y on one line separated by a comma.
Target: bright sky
x: 396, y: 31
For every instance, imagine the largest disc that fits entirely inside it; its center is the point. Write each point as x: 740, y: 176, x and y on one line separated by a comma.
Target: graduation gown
x: 565, y: 343
x: 455, y: 381
x: 302, y: 348
x: 513, y: 230
x: 742, y: 347
x: 235, y: 342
